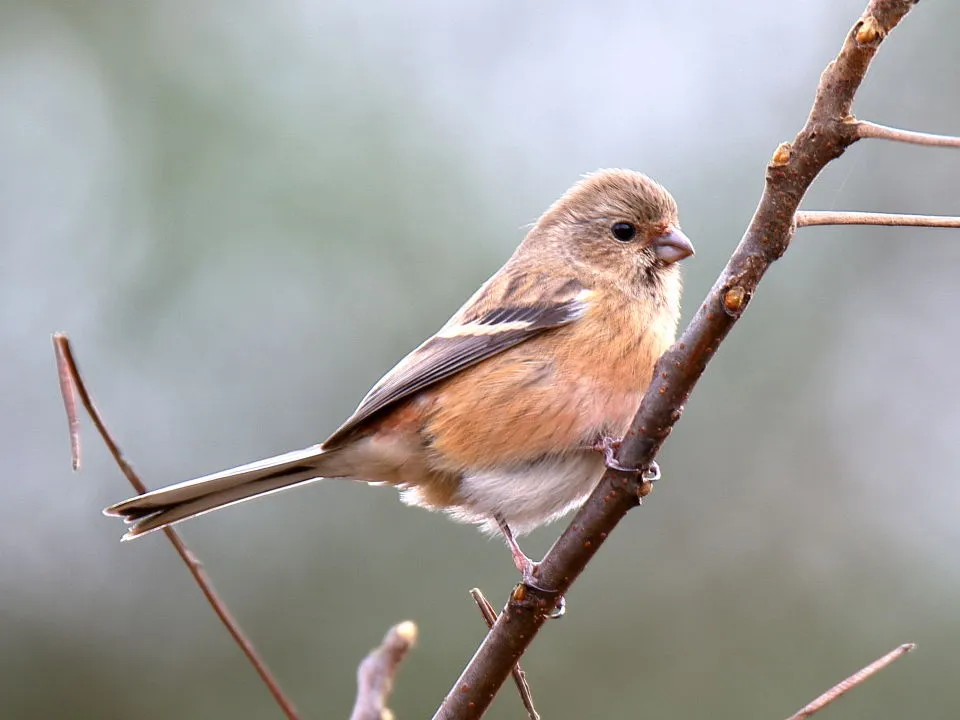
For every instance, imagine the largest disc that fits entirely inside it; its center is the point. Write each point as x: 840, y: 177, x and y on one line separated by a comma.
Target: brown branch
x: 793, y: 168
x: 68, y: 390
x: 519, y: 676
x: 809, y: 218
x: 71, y: 381
x: 843, y: 687
x: 377, y: 671
x: 865, y: 129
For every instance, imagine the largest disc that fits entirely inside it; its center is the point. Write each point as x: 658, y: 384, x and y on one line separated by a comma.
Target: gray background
x: 245, y: 212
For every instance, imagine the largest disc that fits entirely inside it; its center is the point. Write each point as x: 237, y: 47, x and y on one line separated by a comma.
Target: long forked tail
x: 166, y: 506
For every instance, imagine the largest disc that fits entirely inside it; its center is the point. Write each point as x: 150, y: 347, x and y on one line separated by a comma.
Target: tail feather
x: 159, y: 508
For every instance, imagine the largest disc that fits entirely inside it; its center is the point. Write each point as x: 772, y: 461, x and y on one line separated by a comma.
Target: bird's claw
x: 529, y: 573
x: 652, y: 473
x: 609, y: 447
x: 559, y: 609
x: 529, y: 582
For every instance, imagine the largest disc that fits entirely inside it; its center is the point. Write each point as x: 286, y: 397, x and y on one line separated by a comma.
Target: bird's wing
x: 504, y: 312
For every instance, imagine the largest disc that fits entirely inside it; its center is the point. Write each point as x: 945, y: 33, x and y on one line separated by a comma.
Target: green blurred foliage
x: 245, y: 212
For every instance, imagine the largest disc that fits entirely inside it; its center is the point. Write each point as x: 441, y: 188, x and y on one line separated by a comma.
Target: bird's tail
x: 166, y: 506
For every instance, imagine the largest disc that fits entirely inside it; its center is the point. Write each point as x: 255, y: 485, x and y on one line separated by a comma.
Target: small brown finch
x: 505, y: 416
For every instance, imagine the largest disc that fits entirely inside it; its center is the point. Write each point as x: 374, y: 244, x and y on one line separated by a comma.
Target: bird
x: 508, y: 416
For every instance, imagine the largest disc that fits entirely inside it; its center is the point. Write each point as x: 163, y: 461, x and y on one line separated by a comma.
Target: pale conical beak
x: 673, y: 246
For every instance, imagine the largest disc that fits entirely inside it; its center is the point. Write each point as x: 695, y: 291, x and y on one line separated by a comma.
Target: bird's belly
x: 529, y: 494
x: 512, y: 424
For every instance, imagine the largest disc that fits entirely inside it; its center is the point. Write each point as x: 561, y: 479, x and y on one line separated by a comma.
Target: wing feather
x: 471, y: 336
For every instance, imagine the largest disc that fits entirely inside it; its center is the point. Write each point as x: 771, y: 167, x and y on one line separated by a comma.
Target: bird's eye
x: 623, y: 231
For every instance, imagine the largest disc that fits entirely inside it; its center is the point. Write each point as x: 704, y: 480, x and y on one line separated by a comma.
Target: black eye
x: 624, y: 231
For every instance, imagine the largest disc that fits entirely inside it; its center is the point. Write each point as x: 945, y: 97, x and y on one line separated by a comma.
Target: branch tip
x: 407, y: 632
x: 378, y: 670
x: 68, y: 391
x: 845, y: 686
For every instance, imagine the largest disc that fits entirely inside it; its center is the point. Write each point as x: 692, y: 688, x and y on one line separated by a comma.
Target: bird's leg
x: 526, y: 566
x: 609, y: 446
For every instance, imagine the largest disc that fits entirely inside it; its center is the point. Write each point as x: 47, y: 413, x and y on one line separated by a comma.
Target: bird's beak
x: 672, y: 246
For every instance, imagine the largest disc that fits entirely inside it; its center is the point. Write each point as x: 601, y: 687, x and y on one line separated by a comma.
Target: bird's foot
x: 529, y: 569
x: 609, y: 447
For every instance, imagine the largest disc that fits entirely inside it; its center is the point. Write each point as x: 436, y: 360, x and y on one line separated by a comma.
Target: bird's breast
x: 553, y: 394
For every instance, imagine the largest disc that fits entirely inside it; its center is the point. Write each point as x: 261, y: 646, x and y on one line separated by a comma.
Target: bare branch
x: 71, y: 381
x: 794, y: 166
x: 866, y: 129
x: 376, y: 673
x: 68, y: 391
x: 519, y: 676
x: 809, y: 218
x: 851, y: 682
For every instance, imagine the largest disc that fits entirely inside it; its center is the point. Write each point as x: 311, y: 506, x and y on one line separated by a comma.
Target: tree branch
x: 71, y: 385
x: 376, y: 673
x: 843, y: 687
x: 794, y: 166
x: 808, y: 218
x: 519, y: 676
x: 866, y: 129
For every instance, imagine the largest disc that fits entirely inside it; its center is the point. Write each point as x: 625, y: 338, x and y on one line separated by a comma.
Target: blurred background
x: 243, y: 213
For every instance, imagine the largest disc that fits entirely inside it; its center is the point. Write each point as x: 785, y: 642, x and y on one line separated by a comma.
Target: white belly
x: 528, y: 495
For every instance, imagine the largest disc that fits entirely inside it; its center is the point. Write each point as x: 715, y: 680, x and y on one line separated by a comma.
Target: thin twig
x: 376, y: 673
x: 843, y: 687
x: 791, y: 171
x: 866, y: 129
x: 519, y: 676
x: 808, y: 218
x: 67, y: 367
x: 68, y: 390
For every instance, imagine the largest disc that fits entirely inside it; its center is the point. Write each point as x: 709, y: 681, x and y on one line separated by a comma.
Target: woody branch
x: 830, y: 129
